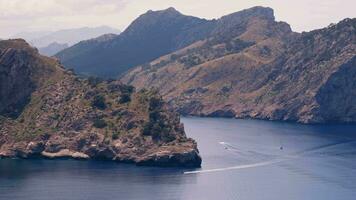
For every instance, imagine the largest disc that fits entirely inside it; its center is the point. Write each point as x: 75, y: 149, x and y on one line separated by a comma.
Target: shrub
x: 156, y: 131
x: 99, y: 102
x: 124, y: 98
x: 147, y: 128
x: 161, y: 63
x: 237, y: 45
x: 174, y: 57
x: 154, y: 115
x: 127, y: 89
x: 100, y: 123
x: 94, y: 81
x: 190, y: 60
x: 115, y: 135
x: 155, y: 103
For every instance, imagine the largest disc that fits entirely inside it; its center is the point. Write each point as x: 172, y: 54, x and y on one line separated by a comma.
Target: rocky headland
x: 46, y: 111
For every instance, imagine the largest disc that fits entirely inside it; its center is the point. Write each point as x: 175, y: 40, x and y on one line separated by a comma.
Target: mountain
x: 255, y: 67
x: 31, y: 35
x: 67, y: 36
x: 46, y: 111
x: 52, y: 49
x: 150, y: 36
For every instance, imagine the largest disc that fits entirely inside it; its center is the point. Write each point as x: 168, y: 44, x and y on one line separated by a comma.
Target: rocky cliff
x: 255, y: 67
x: 46, y: 111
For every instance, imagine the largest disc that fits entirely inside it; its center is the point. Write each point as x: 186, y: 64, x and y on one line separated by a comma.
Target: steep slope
x: 46, y: 111
x: 150, y: 36
x: 258, y: 68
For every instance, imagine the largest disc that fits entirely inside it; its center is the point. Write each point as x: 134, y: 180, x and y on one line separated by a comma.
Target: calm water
x: 242, y: 159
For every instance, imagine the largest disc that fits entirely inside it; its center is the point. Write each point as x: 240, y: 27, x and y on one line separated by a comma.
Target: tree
x: 99, y: 123
x: 124, y: 98
x: 99, y: 102
x: 94, y: 81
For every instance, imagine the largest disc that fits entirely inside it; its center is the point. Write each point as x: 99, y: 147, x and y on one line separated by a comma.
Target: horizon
x: 120, y: 14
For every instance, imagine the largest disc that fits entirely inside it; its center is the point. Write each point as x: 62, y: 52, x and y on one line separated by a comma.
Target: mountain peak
x: 167, y: 17
x: 257, y: 11
x: 169, y: 11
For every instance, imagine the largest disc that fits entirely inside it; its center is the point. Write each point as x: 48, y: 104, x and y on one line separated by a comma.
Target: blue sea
x: 242, y: 160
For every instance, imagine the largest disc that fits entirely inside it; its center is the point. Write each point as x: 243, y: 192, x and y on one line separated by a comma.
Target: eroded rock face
x: 337, y: 96
x: 260, y: 69
x: 15, y: 81
x: 68, y: 117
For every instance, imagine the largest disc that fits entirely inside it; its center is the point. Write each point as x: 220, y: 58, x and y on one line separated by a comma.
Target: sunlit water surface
x: 242, y: 159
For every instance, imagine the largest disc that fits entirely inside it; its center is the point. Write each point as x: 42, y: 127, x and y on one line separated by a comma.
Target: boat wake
x: 235, y: 167
x: 230, y: 147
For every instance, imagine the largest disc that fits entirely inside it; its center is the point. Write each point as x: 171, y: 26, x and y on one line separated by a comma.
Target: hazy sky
x: 48, y: 15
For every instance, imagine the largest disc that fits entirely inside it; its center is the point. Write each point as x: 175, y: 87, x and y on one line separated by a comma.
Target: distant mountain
x: 67, y: 36
x: 150, y: 36
x: 52, y: 49
x: 254, y: 67
x: 31, y: 35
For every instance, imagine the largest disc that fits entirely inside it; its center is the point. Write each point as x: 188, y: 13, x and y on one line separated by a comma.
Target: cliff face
x: 258, y: 68
x: 315, y: 77
x: 16, y: 84
x: 46, y: 111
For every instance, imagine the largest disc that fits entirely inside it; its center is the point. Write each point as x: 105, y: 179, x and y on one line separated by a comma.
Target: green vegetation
x: 174, y: 57
x: 126, y: 91
x: 157, y: 126
x: 115, y: 135
x: 161, y: 63
x: 94, y: 81
x: 237, y: 45
x: 99, y: 123
x: 190, y: 60
x: 125, y: 98
x: 99, y: 102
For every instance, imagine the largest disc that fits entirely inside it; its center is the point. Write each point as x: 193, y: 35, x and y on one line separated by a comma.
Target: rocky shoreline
x: 164, y: 157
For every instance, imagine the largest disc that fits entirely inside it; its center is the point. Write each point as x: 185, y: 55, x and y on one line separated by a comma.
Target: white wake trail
x: 235, y: 167
x: 286, y: 157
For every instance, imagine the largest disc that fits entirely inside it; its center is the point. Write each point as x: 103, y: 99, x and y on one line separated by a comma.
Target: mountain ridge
x: 252, y: 82
x: 151, y: 35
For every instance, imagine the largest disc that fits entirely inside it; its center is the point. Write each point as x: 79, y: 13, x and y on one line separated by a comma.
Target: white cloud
x: 32, y: 15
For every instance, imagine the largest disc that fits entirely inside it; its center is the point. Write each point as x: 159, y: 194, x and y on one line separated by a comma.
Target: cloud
x: 30, y: 15
x: 42, y: 8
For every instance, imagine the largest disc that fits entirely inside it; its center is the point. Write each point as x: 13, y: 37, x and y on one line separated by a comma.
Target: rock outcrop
x: 255, y: 67
x: 47, y: 111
